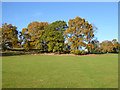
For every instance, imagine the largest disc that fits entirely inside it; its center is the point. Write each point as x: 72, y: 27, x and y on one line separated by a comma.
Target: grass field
x: 36, y: 71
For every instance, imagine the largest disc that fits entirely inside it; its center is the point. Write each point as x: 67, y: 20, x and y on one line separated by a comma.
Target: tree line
x: 77, y: 37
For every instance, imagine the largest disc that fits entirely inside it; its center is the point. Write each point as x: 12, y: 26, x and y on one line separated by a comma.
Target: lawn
x: 40, y: 71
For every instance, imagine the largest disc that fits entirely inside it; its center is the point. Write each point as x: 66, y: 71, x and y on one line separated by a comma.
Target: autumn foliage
x: 76, y: 37
x: 9, y: 36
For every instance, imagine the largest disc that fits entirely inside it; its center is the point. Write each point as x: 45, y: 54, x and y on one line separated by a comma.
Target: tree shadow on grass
x: 14, y: 52
x: 11, y: 54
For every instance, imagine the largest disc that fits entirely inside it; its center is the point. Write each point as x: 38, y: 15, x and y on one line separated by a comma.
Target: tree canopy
x: 78, y: 33
x: 53, y: 36
x: 9, y: 36
x: 78, y: 37
x: 31, y: 36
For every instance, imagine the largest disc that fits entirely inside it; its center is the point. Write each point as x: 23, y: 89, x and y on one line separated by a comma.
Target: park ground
x: 57, y: 71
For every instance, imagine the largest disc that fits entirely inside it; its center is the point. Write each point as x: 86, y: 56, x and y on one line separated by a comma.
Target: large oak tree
x: 31, y: 36
x: 9, y: 36
x: 53, y: 36
x: 79, y: 33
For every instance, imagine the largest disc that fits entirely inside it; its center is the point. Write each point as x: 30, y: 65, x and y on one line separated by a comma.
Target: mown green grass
x: 36, y: 71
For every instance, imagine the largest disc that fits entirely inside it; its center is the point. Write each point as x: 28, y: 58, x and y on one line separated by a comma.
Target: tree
x: 79, y: 33
x: 53, y: 36
x: 90, y: 47
x: 9, y: 36
x: 116, y: 45
x: 97, y: 50
x: 107, y: 46
x: 93, y: 46
x: 66, y: 48
x: 25, y: 39
x: 31, y: 36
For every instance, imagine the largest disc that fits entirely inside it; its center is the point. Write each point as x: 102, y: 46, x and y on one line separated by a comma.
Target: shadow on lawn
x: 11, y: 54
